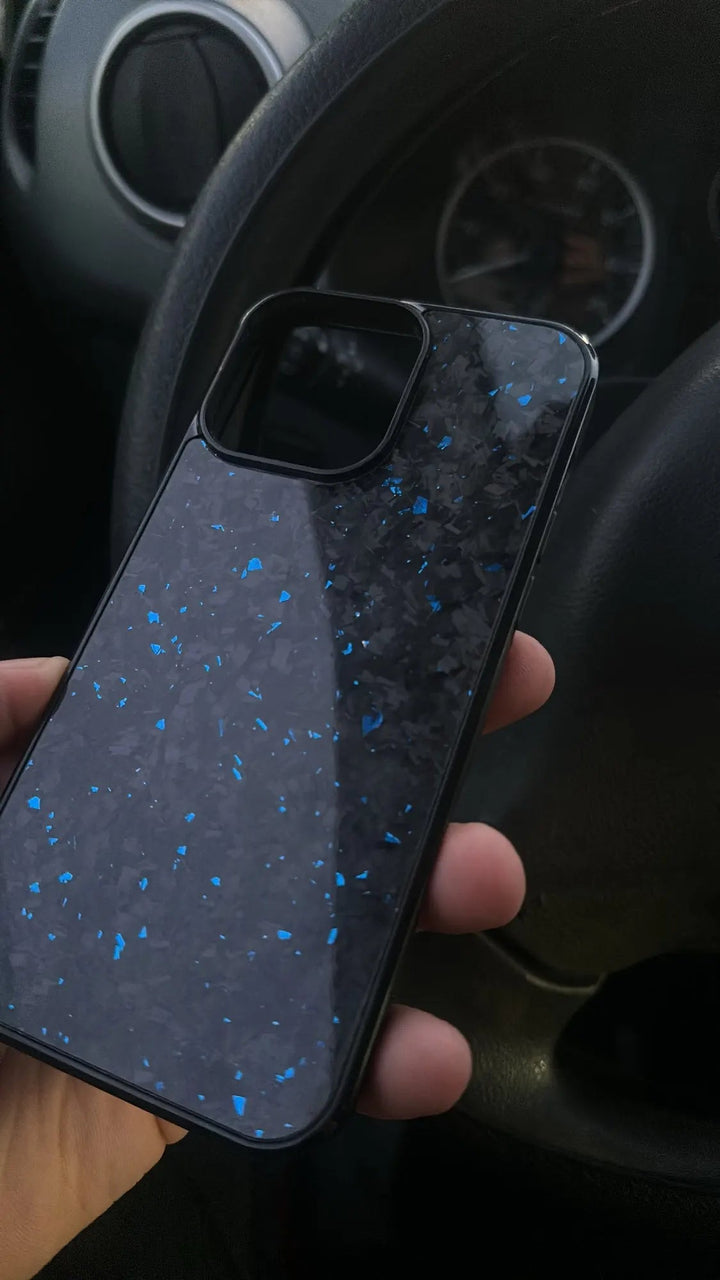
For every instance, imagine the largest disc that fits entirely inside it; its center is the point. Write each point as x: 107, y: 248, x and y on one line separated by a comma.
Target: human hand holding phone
x: 68, y: 1150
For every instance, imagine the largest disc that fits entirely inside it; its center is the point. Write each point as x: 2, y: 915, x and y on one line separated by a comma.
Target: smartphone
x: 215, y: 850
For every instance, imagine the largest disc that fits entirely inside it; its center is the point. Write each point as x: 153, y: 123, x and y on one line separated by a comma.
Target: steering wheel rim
x: 351, y: 103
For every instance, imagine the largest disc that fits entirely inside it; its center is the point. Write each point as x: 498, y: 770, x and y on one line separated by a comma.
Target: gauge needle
x: 488, y: 268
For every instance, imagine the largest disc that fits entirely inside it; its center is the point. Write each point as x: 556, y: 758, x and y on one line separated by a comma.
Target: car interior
x: 165, y: 165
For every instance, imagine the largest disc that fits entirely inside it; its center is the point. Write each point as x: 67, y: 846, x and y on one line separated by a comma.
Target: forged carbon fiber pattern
x: 201, y: 866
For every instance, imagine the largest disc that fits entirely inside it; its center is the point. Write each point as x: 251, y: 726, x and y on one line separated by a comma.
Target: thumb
x: 26, y: 686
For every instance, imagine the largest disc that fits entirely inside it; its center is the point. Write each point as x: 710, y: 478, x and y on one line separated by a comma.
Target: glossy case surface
x: 211, y: 859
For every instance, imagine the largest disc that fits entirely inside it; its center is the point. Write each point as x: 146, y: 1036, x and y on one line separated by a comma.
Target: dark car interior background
x: 578, y: 181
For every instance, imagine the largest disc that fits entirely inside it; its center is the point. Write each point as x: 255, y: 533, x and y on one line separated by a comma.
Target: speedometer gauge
x: 548, y: 228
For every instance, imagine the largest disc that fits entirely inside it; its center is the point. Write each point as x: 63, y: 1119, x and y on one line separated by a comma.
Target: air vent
x: 177, y: 81
x: 26, y: 74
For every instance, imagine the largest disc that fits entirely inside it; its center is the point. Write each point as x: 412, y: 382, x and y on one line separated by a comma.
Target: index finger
x: 26, y: 686
x: 526, y: 682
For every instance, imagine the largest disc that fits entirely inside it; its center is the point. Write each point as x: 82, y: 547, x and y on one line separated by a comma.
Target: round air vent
x: 175, y: 86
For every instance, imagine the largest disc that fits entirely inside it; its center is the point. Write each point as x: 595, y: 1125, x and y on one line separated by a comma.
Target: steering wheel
x: 612, y: 794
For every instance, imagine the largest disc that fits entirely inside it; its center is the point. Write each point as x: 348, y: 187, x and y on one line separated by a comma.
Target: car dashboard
x: 580, y: 186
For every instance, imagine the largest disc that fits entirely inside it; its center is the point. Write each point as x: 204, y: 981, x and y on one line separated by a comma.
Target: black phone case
x: 213, y: 855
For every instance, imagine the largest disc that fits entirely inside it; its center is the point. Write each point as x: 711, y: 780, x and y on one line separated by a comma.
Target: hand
x: 68, y: 1151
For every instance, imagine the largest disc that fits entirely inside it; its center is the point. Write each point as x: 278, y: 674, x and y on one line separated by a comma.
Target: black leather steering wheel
x: 613, y: 792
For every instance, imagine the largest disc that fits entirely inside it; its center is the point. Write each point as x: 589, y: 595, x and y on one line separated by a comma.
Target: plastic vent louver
x: 26, y: 75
